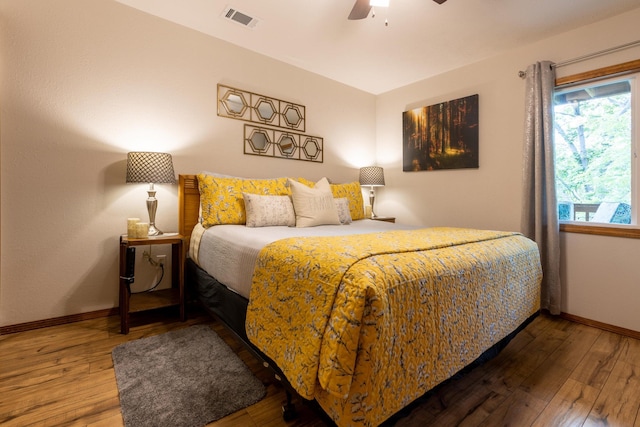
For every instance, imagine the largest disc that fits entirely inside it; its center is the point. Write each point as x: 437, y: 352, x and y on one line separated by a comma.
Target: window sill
x: 601, y: 230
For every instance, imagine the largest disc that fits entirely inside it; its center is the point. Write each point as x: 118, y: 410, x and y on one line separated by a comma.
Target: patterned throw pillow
x: 268, y: 211
x: 313, y: 206
x: 342, y: 204
x: 221, y: 198
x: 307, y: 182
x: 353, y: 193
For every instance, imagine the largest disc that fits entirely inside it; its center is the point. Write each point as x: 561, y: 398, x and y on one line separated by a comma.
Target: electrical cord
x: 155, y: 264
x: 154, y: 286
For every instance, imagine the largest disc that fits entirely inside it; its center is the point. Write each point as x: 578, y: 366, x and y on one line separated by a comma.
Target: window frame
x: 615, y: 230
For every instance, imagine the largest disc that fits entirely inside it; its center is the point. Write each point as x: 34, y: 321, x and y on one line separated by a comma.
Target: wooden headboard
x: 188, y: 204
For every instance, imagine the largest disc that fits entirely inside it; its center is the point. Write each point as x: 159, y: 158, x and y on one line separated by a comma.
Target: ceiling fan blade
x: 360, y: 10
x: 439, y: 1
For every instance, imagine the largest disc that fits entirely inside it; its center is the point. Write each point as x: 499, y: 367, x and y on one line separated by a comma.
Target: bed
x: 363, y: 321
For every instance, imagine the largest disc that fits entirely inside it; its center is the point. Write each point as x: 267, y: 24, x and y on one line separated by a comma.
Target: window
x: 595, y: 151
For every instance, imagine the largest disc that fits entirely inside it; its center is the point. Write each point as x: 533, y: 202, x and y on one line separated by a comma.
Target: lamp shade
x: 372, y: 176
x: 150, y: 167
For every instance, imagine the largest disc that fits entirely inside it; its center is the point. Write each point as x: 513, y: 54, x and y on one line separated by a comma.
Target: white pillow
x: 267, y: 211
x: 342, y: 205
x: 313, y: 206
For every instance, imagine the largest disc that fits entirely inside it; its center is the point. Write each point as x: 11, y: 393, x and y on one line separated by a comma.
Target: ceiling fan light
x: 379, y: 3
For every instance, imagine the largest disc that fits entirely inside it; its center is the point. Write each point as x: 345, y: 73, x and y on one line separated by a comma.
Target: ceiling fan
x: 361, y: 9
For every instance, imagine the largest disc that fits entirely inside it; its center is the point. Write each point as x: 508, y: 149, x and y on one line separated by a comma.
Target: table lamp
x: 154, y: 168
x: 373, y: 176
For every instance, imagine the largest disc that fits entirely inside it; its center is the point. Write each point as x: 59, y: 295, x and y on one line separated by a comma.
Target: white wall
x: 84, y: 82
x: 600, y: 276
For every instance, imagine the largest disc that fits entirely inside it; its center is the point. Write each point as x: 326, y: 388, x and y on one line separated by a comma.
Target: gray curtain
x: 539, y: 210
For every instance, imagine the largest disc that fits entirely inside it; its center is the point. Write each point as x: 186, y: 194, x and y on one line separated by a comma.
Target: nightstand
x: 385, y: 218
x: 131, y: 303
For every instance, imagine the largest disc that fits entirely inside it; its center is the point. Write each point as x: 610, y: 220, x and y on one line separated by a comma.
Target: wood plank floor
x: 553, y: 373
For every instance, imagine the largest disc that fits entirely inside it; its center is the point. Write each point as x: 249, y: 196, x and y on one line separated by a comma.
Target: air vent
x: 239, y: 17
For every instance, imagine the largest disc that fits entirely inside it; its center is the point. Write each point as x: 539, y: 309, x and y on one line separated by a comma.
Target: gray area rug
x: 187, y: 377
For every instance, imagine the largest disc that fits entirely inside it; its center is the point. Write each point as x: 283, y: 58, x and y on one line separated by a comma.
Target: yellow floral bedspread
x: 367, y: 323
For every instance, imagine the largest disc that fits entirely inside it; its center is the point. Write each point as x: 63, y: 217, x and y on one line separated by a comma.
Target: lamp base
x: 153, y: 231
x: 152, y: 205
x: 372, y: 199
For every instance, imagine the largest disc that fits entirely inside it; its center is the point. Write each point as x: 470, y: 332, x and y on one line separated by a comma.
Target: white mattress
x: 229, y: 252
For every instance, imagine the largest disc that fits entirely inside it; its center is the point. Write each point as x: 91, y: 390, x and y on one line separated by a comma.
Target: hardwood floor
x: 553, y: 373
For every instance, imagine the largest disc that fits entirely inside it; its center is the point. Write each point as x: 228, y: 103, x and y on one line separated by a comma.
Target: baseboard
x: 22, y: 327
x: 604, y: 326
x: 56, y: 321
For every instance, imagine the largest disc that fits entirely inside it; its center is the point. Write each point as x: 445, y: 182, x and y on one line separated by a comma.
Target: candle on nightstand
x: 131, y: 227
x: 142, y: 230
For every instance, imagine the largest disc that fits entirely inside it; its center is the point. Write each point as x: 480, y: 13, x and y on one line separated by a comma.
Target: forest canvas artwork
x: 441, y: 136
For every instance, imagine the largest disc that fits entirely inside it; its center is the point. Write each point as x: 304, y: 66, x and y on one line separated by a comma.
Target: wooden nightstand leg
x: 124, y: 290
x: 124, y: 307
x: 177, y: 279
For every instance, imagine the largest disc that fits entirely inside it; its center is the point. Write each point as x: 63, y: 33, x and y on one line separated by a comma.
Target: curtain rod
x: 523, y: 74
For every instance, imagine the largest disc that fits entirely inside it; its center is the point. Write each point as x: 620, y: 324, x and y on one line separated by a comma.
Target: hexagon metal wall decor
x: 312, y: 148
x: 259, y: 141
x: 252, y: 107
x: 266, y: 111
x: 292, y: 117
x: 235, y: 104
x: 287, y: 145
x: 269, y: 142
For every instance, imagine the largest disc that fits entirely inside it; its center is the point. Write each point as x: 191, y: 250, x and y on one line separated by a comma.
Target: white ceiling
x: 422, y: 39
